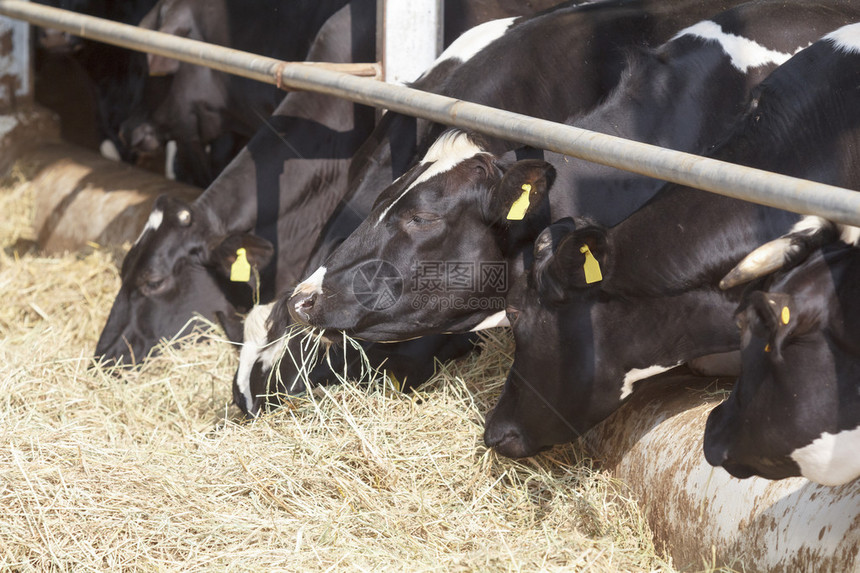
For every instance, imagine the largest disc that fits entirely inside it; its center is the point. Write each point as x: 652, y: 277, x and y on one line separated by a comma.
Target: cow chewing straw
x: 152, y: 469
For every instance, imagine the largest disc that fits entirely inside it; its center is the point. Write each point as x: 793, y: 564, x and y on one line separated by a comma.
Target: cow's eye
x: 153, y: 286
x: 423, y: 218
x: 512, y: 314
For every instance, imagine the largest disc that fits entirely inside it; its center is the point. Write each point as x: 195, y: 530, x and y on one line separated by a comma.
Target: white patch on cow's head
x: 492, y: 321
x: 811, y: 224
x: 474, y: 40
x: 254, y: 341
x: 312, y: 284
x: 152, y: 224
x: 452, y: 148
x: 108, y: 150
x: 831, y: 459
x: 636, y: 374
x: 846, y: 38
x: 744, y: 53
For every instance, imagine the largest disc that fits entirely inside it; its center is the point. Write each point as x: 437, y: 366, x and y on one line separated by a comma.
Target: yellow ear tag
x: 786, y: 315
x: 240, y: 272
x: 767, y: 347
x: 591, y: 266
x: 398, y: 385
x: 521, y: 205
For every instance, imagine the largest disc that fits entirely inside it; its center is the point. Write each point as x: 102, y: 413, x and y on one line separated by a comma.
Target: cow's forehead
x: 153, y: 223
x: 451, y: 149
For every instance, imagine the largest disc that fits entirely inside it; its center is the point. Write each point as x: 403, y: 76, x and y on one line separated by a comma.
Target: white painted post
x: 409, y: 36
x: 15, y: 77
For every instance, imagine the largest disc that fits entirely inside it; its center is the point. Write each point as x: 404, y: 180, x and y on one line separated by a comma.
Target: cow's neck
x: 666, y: 331
x: 685, y: 239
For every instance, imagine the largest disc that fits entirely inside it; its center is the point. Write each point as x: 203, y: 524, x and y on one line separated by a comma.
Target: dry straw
x: 151, y: 469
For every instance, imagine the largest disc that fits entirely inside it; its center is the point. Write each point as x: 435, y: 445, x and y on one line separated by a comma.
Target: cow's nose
x: 738, y: 470
x: 715, y: 453
x: 301, y: 305
x: 507, y: 439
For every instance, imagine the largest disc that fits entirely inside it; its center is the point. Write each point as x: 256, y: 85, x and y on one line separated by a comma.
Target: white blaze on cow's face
x: 312, y: 284
x: 451, y: 149
x: 831, y: 459
x: 744, y: 53
x: 846, y: 38
x: 152, y: 224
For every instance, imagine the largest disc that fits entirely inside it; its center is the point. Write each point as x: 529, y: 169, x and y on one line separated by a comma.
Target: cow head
x: 275, y: 363
x: 795, y: 410
x: 432, y: 255
x: 179, y: 268
x: 551, y: 394
x: 180, y: 101
x: 586, y: 334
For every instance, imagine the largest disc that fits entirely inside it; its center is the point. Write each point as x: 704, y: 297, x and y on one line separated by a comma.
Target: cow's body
x: 581, y: 347
x: 683, y: 95
x: 535, y: 72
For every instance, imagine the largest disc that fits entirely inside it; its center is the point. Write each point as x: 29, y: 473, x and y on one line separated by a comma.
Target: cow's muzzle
x: 301, y: 306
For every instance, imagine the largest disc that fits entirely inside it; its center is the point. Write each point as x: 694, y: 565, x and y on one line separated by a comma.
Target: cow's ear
x: 161, y: 66
x: 238, y: 254
x: 569, y: 259
x: 522, y: 191
x: 169, y: 24
x: 775, y: 311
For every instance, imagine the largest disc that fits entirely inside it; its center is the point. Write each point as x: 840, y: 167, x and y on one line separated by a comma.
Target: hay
x: 149, y: 469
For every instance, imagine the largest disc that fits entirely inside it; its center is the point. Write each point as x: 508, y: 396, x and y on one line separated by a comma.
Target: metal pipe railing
x: 834, y: 203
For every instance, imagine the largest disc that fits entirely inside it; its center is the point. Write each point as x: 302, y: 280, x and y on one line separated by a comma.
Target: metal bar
x: 220, y: 58
x: 834, y: 203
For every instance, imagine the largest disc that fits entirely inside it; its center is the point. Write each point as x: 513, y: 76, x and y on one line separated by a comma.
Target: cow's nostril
x: 302, y: 305
x: 306, y: 303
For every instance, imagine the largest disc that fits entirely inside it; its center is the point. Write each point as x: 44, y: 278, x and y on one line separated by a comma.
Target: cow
x: 601, y: 309
x: 92, y: 86
x: 180, y: 265
x: 535, y: 73
x: 795, y: 409
x: 199, y: 107
x: 452, y: 213
x: 282, y: 188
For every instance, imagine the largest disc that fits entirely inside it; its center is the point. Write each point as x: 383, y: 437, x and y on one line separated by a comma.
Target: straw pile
x: 151, y: 469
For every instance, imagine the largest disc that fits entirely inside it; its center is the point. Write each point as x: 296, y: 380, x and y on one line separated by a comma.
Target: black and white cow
x: 92, y: 86
x: 451, y: 213
x: 282, y: 187
x: 582, y: 341
x: 199, y: 107
x: 551, y: 66
x: 181, y: 263
x: 795, y: 410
